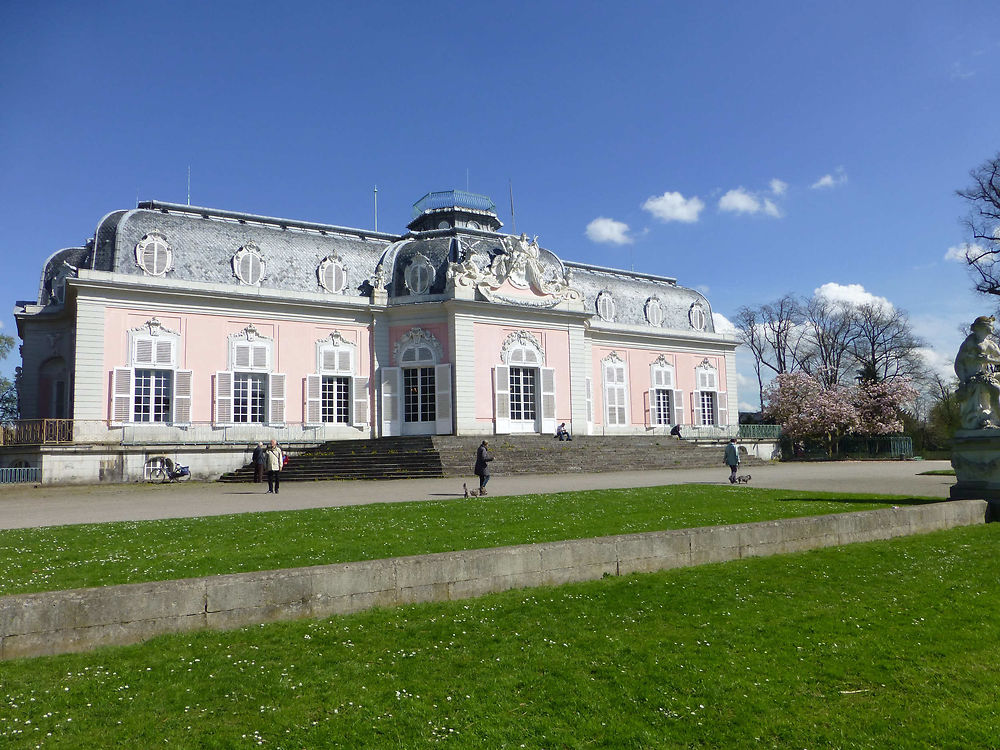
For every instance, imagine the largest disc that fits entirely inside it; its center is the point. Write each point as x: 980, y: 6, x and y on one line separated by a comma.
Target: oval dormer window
x: 332, y: 275
x: 419, y: 275
x: 153, y: 255
x: 654, y: 312
x: 606, y: 306
x: 697, y: 317
x: 248, y: 265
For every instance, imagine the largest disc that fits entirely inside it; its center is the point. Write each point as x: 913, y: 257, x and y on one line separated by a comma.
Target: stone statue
x: 978, y: 368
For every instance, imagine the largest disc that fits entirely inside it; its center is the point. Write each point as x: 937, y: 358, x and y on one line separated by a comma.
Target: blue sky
x: 751, y: 149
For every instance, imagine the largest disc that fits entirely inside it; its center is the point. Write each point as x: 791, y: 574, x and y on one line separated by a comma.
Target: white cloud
x: 674, y: 207
x: 959, y: 253
x: 938, y: 363
x: 722, y: 324
x: 608, y: 231
x: 851, y: 294
x: 778, y: 187
x: 703, y: 288
x: 739, y: 201
x: 830, y: 180
x: 742, y: 201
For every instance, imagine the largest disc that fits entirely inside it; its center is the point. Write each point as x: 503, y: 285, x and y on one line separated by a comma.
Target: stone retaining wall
x: 75, y: 620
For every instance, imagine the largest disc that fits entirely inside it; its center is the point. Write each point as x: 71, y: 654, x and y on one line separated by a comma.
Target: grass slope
x: 886, y: 644
x: 53, y: 558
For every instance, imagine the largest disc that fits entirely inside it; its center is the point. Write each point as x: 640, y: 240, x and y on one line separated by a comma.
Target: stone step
x: 452, y: 456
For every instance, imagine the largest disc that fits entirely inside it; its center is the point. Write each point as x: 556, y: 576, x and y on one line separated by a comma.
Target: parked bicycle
x: 168, y: 474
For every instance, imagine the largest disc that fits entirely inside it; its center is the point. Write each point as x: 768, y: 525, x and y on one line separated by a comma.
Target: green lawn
x: 879, y: 645
x: 63, y: 557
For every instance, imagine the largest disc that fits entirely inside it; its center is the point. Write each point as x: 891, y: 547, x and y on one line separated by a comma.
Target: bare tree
x: 884, y: 346
x: 773, y: 334
x: 830, y: 332
x: 983, y: 225
x: 751, y: 333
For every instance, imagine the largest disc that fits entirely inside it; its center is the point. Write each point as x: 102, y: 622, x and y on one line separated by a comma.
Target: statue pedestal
x: 975, y: 456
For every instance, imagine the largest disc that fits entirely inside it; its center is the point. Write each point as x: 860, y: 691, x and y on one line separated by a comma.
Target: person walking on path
x: 275, y: 460
x: 732, y: 460
x: 482, y: 468
x: 259, y: 458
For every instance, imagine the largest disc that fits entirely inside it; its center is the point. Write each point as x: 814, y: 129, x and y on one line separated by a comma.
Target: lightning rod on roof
x: 376, y: 206
x: 189, y: 184
x: 513, y: 221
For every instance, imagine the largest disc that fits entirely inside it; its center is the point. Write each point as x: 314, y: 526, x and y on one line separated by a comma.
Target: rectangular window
x: 419, y: 402
x: 662, y: 410
x: 152, y: 396
x: 249, y: 397
x: 336, y: 399
x: 708, y: 407
x: 522, y: 393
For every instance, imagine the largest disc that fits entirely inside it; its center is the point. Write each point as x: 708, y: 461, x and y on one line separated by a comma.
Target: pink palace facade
x: 180, y: 324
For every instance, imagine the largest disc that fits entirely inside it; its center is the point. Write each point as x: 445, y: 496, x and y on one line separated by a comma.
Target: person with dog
x: 482, y: 467
x: 732, y: 459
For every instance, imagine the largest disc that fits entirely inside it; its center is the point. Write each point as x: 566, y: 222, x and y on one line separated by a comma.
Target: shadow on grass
x: 864, y: 501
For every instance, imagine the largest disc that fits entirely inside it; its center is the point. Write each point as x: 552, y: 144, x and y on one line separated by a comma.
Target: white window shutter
x: 143, y: 352
x: 312, y: 391
x: 182, y: 398
x: 344, y: 365
x: 501, y: 400
x: 649, y: 398
x: 590, y: 406
x: 361, y: 411
x: 121, y: 396
x: 223, y: 398
x: 328, y: 359
x: 696, y: 407
x: 164, y: 352
x: 392, y: 392
x: 721, y: 409
x: 260, y: 358
x: 442, y: 399
x: 241, y: 356
x: 548, y: 400
x: 677, y: 401
x: 276, y: 399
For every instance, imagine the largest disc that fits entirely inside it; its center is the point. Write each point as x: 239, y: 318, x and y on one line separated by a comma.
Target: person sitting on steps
x: 562, y: 433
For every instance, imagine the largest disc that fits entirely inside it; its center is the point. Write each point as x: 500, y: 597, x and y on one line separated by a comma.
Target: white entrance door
x: 419, y: 401
x: 523, y: 399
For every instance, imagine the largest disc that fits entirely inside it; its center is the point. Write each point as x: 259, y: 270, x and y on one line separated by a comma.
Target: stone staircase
x: 453, y: 456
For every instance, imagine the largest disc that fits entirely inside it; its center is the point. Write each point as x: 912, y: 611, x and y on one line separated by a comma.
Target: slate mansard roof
x: 203, y: 242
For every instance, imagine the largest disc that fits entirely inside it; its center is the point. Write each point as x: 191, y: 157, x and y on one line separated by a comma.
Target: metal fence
x: 21, y: 474
x: 36, y: 432
x: 760, y: 431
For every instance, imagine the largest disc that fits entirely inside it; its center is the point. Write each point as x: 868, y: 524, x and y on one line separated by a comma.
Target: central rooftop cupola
x: 448, y: 209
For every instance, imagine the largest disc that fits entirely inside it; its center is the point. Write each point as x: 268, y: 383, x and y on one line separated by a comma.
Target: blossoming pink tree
x: 805, y: 408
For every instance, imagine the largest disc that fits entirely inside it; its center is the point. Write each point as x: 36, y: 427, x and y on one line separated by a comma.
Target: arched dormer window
x: 654, y: 312
x: 153, y: 254
x: 697, y: 316
x: 606, y: 306
x: 419, y: 275
x: 331, y: 274
x: 248, y: 265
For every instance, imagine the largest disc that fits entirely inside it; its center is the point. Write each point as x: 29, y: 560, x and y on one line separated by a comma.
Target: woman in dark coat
x: 482, y: 469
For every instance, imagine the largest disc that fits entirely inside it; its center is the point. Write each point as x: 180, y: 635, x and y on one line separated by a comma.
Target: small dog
x: 743, y: 479
x: 468, y: 492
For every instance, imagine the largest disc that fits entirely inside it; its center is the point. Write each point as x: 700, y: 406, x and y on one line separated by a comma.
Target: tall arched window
x: 524, y: 389
x: 151, y: 388
x: 250, y: 392
x: 334, y: 394
x: 615, y: 390
x: 708, y: 404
